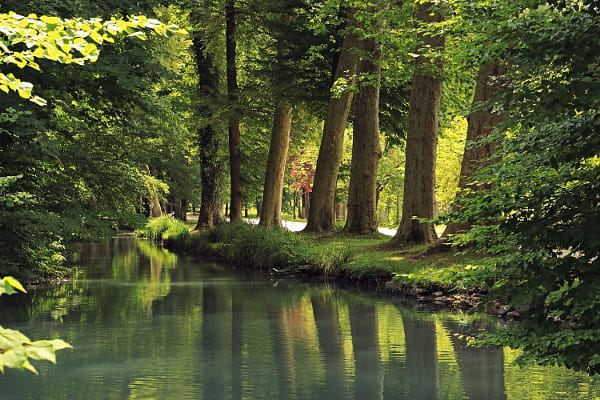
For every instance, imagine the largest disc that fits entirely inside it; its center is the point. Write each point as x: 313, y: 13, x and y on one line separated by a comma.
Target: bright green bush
x: 246, y: 245
x: 163, y: 228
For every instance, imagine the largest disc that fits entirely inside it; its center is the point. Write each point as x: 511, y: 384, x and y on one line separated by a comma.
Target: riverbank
x: 447, y: 277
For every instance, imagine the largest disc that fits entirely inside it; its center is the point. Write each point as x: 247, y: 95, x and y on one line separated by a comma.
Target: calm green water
x: 146, y: 324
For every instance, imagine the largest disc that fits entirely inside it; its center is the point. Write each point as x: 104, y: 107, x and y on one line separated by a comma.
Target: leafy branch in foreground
x: 15, y: 348
x: 26, y: 39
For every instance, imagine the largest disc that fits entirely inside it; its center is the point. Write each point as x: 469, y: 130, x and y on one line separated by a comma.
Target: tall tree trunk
x: 280, y: 139
x: 321, y: 217
x: 481, y: 121
x: 235, y: 159
x: 208, y: 138
x: 421, y: 141
x: 366, y: 151
x: 211, y: 176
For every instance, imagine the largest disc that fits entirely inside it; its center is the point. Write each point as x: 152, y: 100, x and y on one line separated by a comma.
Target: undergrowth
x: 163, y: 228
x: 332, y: 255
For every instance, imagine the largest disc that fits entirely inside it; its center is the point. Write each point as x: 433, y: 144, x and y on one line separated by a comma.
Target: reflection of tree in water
x: 421, y: 358
x: 482, y: 369
x: 327, y: 319
x: 368, y: 381
x: 199, y: 331
x: 158, y: 284
x: 147, y: 269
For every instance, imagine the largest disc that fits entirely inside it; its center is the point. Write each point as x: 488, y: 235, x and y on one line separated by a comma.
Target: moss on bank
x: 335, y: 256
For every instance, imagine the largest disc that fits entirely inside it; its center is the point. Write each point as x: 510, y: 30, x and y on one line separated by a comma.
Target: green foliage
x: 15, y: 348
x: 81, y: 159
x: 248, y: 246
x: 261, y: 247
x: 123, y: 219
x: 65, y: 41
x: 541, y: 219
x: 163, y: 228
x: 333, y: 258
x: 454, y: 277
x: 9, y: 285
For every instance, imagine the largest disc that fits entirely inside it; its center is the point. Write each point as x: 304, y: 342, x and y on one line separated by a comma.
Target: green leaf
x: 16, y: 349
x: 8, y: 284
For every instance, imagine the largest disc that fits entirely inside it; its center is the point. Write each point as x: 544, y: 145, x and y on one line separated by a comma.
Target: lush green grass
x: 372, y: 259
x: 335, y: 255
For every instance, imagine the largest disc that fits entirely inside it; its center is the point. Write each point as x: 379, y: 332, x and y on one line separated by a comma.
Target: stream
x: 145, y: 323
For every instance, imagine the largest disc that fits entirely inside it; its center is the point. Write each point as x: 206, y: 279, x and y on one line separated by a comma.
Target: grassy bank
x: 332, y: 256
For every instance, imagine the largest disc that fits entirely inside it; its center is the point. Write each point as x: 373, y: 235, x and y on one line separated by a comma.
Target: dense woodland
x: 479, y: 115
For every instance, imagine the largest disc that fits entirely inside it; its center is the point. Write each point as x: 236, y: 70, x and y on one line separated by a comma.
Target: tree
x: 285, y: 60
x: 280, y: 139
x: 481, y: 122
x: 235, y: 160
x: 422, y: 135
x: 366, y: 151
x: 321, y: 216
x: 208, y: 135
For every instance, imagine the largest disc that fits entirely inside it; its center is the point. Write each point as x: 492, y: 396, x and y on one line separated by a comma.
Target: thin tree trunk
x: 295, y: 204
x: 481, y: 121
x: 280, y: 139
x: 235, y: 159
x: 366, y: 151
x: 321, y: 217
x: 421, y: 141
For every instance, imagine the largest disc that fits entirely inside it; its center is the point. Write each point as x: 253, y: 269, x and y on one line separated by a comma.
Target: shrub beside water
x: 330, y: 255
x: 250, y: 246
x: 253, y: 246
x: 163, y: 228
x: 332, y: 259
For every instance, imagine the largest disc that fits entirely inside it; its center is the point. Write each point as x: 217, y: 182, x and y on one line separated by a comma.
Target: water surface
x: 147, y: 324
